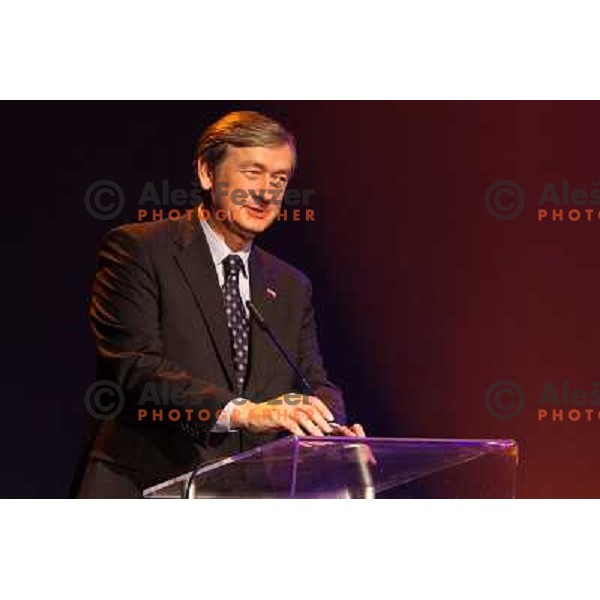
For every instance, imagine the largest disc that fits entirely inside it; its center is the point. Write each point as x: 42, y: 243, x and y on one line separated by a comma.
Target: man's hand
x: 308, y: 416
x: 355, y: 430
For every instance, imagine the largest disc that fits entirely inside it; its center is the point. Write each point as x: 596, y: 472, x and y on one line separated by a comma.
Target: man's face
x: 262, y: 175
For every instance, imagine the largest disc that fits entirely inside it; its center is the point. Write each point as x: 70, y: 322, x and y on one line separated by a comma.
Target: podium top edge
x: 503, y: 442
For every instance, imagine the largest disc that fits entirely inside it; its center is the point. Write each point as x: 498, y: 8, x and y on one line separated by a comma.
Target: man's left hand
x: 355, y: 430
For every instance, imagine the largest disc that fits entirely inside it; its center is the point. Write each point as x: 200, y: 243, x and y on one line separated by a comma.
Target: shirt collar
x: 219, y: 250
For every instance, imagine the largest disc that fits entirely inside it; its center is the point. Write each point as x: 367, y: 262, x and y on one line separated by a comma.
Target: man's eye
x: 252, y: 173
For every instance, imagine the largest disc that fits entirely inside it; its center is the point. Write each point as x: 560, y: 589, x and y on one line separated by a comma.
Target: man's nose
x: 263, y: 192
x: 259, y: 194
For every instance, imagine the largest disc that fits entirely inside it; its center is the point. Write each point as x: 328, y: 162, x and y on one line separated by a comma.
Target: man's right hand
x: 308, y: 416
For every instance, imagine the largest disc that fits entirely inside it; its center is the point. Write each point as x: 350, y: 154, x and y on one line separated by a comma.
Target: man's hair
x: 241, y: 129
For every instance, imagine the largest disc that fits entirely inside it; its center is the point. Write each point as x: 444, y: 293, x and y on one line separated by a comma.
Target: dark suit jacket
x: 159, y: 322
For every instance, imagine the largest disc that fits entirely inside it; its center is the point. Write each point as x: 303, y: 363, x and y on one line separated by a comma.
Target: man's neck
x: 234, y: 240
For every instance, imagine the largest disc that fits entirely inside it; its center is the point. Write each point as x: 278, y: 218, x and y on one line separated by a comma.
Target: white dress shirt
x: 219, y: 250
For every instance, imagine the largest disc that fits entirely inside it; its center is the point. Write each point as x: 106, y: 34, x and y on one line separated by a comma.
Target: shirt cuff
x: 222, y: 424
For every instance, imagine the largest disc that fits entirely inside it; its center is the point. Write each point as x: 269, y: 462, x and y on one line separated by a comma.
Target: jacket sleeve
x: 311, y: 361
x: 125, y: 320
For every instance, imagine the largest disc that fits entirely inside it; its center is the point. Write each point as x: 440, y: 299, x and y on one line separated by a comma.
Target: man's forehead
x: 272, y: 156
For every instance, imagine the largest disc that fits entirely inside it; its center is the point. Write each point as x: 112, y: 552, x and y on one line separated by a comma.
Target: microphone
x: 361, y: 454
x: 290, y: 361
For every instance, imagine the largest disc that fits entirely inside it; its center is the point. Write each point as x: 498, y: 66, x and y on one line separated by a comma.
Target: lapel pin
x: 271, y: 294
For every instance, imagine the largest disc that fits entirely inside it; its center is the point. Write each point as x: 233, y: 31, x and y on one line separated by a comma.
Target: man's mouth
x: 256, y: 211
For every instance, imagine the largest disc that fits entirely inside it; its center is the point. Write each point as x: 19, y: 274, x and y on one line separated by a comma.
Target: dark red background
x: 424, y: 299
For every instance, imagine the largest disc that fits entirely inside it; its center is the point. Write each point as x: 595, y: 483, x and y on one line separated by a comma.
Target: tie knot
x: 233, y: 265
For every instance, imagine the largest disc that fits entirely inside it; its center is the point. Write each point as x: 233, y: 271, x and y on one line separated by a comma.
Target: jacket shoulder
x: 282, y: 270
x: 143, y: 233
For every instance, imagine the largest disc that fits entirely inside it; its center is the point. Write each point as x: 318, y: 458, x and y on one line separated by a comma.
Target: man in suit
x: 173, y: 331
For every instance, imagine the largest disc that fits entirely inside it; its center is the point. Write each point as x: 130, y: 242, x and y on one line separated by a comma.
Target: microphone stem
x: 263, y: 325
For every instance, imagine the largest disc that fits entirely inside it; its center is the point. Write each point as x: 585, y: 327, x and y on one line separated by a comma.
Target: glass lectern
x: 353, y: 467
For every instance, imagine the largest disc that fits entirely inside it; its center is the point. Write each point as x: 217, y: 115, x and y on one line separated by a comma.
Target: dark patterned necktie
x: 239, y: 326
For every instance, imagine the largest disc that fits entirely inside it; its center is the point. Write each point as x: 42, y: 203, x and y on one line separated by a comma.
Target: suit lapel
x: 195, y: 261
x: 260, y: 345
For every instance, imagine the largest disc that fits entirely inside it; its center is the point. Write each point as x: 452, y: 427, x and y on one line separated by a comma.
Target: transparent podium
x: 353, y: 467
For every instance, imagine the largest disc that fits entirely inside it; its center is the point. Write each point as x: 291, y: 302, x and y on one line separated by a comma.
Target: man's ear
x: 204, y: 175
